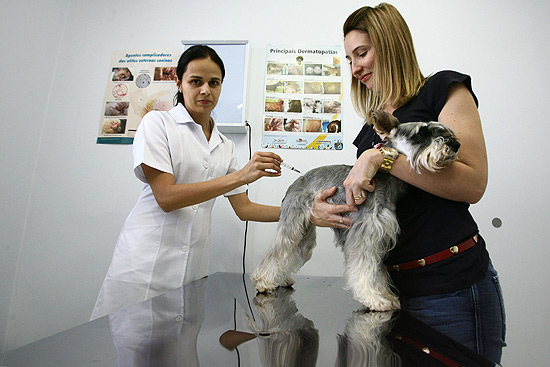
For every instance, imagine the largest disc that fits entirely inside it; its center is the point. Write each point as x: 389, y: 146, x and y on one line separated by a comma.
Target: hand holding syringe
x: 288, y: 166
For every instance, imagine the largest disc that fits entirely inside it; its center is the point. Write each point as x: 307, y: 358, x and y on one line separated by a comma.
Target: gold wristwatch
x: 390, y: 155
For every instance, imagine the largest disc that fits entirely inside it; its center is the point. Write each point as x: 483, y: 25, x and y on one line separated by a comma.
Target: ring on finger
x: 359, y: 197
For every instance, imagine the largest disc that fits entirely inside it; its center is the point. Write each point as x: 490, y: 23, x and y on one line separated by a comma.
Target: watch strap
x: 390, y: 155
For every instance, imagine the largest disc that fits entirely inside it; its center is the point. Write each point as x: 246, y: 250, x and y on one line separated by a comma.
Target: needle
x: 288, y: 166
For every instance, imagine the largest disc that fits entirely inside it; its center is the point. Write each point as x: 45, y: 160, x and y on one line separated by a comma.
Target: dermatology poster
x: 303, y: 97
x: 138, y: 82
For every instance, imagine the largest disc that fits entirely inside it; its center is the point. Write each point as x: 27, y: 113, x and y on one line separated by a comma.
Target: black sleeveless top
x: 430, y: 224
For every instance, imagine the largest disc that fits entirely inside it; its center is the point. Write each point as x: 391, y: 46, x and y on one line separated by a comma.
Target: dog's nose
x: 454, y: 145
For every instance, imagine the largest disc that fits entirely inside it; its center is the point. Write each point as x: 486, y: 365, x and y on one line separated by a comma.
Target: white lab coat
x: 158, y: 251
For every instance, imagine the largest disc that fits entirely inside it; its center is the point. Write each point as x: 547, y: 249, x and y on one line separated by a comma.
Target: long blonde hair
x: 397, y: 75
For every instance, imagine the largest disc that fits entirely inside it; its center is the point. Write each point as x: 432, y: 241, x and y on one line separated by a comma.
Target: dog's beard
x: 434, y: 157
x: 430, y: 156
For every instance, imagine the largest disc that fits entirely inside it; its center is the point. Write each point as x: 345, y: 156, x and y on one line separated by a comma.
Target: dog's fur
x: 373, y: 233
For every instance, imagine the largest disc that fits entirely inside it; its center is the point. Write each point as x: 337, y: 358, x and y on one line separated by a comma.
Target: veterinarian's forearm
x: 171, y: 196
x: 247, y: 210
x: 264, y: 213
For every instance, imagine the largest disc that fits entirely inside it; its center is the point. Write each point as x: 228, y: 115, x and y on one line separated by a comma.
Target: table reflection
x: 285, y: 337
x: 162, y: 331
x: 221, y: 321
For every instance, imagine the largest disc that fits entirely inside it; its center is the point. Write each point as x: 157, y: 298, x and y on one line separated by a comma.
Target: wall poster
x: 303, y: 97
x: 138, y: 82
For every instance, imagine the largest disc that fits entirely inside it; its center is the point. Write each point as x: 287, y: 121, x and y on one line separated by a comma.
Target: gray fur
x: 374, y: 230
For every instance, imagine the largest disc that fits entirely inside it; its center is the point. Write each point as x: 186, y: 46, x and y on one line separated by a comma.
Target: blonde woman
x: 440, y: 265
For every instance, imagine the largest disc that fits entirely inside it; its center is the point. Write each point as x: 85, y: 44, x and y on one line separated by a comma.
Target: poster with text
x: 138, y: 82
x: 303, y: 98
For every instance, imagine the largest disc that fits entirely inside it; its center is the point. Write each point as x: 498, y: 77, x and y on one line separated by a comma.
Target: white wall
x: 64, y: 198
x: 26, y: 77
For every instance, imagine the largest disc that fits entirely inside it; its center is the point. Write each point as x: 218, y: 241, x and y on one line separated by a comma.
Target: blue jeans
x: 473, y: 316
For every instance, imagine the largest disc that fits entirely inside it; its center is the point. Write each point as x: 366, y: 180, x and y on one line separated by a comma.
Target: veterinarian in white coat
x: 185, y: 163
x: 440, y: 265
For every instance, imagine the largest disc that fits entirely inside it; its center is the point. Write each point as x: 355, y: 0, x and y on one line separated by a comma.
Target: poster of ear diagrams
x: 138, y: 82
x: 303, y: 98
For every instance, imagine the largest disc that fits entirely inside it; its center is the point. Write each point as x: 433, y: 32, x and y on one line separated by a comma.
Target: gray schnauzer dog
x: 374, y: 230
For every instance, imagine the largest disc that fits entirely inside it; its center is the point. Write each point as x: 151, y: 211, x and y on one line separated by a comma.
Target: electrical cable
x: 246, y: 227
x: 244, y: 257
x: 235, y: 328
x: 246, y: 223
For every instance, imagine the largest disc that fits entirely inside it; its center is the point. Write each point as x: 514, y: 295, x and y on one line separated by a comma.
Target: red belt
x: 440, y: 357
x: 445, y: 254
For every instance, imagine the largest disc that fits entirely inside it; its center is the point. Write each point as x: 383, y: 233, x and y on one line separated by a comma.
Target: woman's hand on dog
x: 360, y: 178
x: 324, y: 214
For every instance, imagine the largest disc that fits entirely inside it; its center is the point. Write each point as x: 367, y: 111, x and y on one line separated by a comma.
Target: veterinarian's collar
x: 182, y: 116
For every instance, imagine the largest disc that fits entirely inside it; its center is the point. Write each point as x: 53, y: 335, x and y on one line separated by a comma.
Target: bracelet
x: 390, y: 155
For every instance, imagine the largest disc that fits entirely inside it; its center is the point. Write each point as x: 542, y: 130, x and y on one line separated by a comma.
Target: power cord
x: 244, y: 257
x: 246, y: 228
x: 235, y: 328
x: 246, y: 223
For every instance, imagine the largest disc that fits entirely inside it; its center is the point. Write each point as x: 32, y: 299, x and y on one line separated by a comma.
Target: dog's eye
x: 423, y: 133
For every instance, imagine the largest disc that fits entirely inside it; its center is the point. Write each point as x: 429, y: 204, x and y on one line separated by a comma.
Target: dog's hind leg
x: 369, y: 284
x: 366, y: 246
x: 303, y: 250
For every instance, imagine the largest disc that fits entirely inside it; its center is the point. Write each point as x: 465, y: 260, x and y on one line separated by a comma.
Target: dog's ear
x: 384, y: 122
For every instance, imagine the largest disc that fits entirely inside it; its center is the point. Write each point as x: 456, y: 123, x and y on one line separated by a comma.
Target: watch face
x: 143, y: 80
x: 389, y: 152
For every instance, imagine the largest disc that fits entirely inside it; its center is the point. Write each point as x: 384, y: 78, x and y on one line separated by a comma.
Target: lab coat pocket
x: 135, y: 254
x: 218, y: 170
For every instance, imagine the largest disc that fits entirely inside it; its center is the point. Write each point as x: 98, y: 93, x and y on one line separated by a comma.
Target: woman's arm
x: 247, y: 210
x: 464, y: 180
x: 171, y: 196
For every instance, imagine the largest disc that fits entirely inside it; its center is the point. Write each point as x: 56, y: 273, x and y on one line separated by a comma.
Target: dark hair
x: 194, y: 53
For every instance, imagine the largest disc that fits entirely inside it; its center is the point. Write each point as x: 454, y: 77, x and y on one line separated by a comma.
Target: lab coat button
x: 185, y: 248
x: 179, y: 318
x: 205, y: 165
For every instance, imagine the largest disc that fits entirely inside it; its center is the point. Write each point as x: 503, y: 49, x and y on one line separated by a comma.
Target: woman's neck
x: 205, y: 121
x: 389, y: 109
x: 207, y: 126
